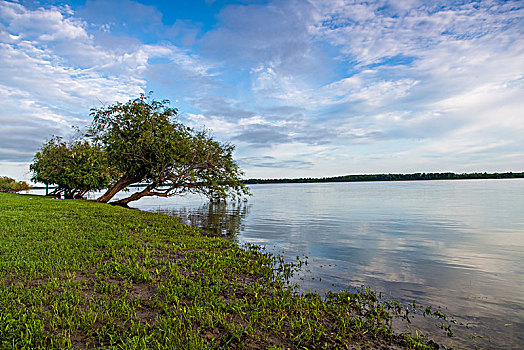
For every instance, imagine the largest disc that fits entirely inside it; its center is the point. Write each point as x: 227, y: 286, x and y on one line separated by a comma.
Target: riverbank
x: 83, y: 274
x: 392, y: 177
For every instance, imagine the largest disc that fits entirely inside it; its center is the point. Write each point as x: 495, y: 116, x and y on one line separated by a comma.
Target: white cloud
x: 42, y: 24
x: 448, y: 75
x: 53, y: 71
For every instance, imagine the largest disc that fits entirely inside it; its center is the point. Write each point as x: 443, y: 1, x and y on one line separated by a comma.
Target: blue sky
x: 303, y: 88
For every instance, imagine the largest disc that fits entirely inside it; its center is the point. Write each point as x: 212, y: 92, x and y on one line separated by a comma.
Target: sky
x: 303, y: 88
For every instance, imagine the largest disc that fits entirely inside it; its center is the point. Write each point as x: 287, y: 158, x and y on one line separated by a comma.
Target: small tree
x: 76, y: 167
x: 8, y: 184
x: 144, y: 143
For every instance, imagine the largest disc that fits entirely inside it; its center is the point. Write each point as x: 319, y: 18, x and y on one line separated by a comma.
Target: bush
x: 8, y: 184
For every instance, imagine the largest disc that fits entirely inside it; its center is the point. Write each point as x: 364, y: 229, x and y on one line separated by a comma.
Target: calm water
x: 455, y: 244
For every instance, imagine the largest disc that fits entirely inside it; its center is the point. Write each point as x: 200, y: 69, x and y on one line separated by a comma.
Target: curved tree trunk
x: 135, y: 196
x: 117, y: 187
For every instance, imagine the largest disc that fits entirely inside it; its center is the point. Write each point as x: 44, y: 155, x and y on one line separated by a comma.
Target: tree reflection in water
x: 214, y: 219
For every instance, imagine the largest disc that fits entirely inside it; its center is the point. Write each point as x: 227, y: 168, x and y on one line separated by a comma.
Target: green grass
x: 79, y: 274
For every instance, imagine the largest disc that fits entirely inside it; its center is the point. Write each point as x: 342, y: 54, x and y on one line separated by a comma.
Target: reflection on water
x: 455, y: 244
x: 215, y: 219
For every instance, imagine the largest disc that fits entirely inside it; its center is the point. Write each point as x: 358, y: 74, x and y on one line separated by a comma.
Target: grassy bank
x: 84, y: 275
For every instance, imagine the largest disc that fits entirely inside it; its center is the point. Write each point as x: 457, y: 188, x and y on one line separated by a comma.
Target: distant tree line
x: 392, y: 177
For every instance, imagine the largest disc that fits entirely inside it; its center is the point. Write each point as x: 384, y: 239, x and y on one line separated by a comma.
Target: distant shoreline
x: 373, y: 177
x: 392, y: 177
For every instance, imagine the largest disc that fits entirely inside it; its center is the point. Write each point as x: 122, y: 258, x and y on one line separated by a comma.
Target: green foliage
x: 393, y: 177
x: 8, y: 184
x: 146, y: 144
x: 207, y: 167
x: 81, y: 274
x: 76, y: 167
x: 139, y: 135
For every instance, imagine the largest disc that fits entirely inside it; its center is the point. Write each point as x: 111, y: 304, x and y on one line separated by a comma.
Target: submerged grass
x: 78, y: 274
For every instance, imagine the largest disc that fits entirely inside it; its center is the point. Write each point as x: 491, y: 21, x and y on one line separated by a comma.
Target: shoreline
x: 87, y: 274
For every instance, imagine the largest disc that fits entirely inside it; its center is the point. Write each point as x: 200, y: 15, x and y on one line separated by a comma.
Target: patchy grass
x: 79, y: 274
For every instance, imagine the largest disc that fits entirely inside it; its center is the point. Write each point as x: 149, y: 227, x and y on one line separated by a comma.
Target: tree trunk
x: 117, y: 187
x: 135, y: 196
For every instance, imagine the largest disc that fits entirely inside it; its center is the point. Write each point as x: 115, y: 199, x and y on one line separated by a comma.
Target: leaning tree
x: 145, y: 144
